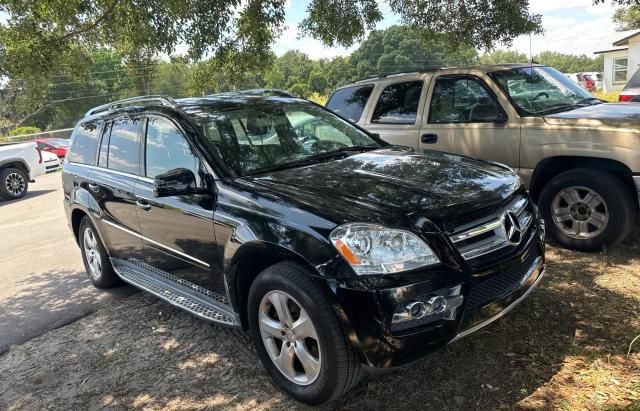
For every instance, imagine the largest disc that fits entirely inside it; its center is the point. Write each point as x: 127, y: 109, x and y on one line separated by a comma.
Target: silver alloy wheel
x: 15, y: 183
x: 580, y: 212
x: 92, y: 254
x: 290, y: 338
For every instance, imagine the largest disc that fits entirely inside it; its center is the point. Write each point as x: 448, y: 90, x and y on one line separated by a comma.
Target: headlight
x: 373, y: 249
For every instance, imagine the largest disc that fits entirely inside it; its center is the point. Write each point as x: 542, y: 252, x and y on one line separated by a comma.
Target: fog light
x: 437, y: 304
x: 416, y: 309
x: 424, y: 309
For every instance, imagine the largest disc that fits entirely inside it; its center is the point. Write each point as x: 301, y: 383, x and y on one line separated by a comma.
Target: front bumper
x: 487, y: 297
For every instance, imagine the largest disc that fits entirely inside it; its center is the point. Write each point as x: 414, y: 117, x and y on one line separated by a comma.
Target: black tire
x: 106, y: 277
x: 8, y: 177
x: 618, y: 198
x: 340, y: 368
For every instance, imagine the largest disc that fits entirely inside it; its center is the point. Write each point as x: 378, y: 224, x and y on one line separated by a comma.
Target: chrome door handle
x: 143, y: 204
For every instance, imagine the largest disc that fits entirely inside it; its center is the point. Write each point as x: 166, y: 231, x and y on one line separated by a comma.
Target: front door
x: 464, y: 116
x: 177, y: 231
x: 397, y: 114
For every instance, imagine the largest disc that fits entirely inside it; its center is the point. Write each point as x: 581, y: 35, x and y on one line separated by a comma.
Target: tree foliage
x: 627, y: 18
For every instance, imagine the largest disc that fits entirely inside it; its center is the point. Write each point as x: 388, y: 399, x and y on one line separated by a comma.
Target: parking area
x: 565, y: 347
x: 44, y: 285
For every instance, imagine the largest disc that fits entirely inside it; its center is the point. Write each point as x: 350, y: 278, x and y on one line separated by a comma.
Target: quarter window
x: 462, y: 100
x: 349, y: 102
x: 85, y: 144
x: 620, y: 70
x: 167, y: 149
x: 124, y: 146
x: 398, y: 104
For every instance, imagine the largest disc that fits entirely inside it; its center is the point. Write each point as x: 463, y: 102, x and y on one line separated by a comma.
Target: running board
x: 176, y: 291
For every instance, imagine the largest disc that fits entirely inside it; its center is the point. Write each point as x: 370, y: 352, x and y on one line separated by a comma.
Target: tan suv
x: 579, y: 157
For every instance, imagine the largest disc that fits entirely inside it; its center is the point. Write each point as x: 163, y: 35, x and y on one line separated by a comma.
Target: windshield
x: 260, y: 137
x: 540, y: 90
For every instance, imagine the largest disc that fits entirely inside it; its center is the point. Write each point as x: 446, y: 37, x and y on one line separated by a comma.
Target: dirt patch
x: 565, y: 347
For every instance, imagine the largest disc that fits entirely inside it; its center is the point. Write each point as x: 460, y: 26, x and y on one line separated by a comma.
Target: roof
x: 618, y: 41
x: 479, y: 67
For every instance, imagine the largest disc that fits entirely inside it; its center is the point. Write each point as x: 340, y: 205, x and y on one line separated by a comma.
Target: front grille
x: 501, y: 284
x: 487, y: 234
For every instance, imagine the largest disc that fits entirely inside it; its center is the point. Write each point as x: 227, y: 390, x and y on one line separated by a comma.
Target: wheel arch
x: 16, y: 163
x: 250, y: 260
x: 76, y: 218
x: 550, y: 167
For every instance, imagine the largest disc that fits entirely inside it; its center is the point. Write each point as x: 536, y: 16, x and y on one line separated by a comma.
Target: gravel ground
x: 565, y: 347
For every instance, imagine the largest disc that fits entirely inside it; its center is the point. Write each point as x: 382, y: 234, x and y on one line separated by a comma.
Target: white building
x: 621, y: 59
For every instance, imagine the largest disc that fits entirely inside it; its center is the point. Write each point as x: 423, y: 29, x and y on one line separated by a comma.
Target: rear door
x: 396, y: 113
x: 178, y: 230
x: 116, y: 178
x: 465, y: 116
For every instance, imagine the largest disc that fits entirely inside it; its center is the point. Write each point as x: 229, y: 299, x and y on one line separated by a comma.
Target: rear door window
x: 398, y: 104
x: 84, y: 144
x: 124, y: 146
x: 349, y: 102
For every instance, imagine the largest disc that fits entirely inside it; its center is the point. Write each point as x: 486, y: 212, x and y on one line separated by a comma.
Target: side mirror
x: 179, y: 181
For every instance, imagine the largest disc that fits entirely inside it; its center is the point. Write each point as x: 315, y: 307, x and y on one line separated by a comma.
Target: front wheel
x: 298, y: 336
x: 587, y: 209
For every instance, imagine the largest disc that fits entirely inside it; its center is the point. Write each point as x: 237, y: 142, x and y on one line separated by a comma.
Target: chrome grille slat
x: 491, y: 230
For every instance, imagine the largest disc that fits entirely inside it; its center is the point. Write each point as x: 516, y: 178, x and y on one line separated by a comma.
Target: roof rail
x: 259, y: 92
x: 427, y: 69
x: 163, y: 100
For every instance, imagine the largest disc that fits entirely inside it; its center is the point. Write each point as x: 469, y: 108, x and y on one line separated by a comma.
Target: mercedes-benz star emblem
x: 512, y: 228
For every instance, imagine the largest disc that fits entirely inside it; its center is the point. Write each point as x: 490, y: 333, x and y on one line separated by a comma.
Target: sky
x: 571, y: 26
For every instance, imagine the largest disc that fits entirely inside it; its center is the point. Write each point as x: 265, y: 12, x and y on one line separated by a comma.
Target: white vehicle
x: 51, y: 161
x: 20, y: 164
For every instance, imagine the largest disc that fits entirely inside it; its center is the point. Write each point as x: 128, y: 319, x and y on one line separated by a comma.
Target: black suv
x: 336, y: 250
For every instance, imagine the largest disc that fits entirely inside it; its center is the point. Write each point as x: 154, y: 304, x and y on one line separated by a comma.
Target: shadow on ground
x: 562, y: 348
x: 30, y: 194
x: 47, y: 301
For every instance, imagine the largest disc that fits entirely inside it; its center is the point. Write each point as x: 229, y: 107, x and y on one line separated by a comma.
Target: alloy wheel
x: 580, y: 212
x: 92, y: 253
x: 289, y: 337
x: 15, y: 184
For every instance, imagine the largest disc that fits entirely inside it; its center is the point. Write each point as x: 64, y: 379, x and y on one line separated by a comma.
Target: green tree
x: 503, y: 56
x: 627, y: 18
x: 570, y: 63
x: 400, y: 48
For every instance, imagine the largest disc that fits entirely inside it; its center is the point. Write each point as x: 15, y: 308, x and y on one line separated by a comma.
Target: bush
x: 318, y: 98
x: 18, y: 131
x: 611, y: 96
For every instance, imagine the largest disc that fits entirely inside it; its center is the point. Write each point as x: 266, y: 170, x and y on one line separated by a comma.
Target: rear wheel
x: 14, y: 183
x: 95, y: 258
x: 587, y: 209
x: 298, y: 336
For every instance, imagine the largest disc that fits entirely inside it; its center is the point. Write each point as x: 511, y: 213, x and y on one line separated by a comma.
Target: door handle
x: 143, y: 204
x: 429, y: 138
x: 94, y: 187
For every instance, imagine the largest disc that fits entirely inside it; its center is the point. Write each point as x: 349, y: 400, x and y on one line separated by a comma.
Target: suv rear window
x: 349, y: 102
x: 124, y: 146
x: 85, y: 143
x: 398, y: 104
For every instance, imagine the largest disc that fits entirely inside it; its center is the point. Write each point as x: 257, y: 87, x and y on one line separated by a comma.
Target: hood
x: 434, y: 185
x: 616, y: 115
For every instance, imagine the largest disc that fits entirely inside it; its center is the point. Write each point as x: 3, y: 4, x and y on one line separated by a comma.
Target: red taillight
x: 39, y: 155
x: 625, y: 97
